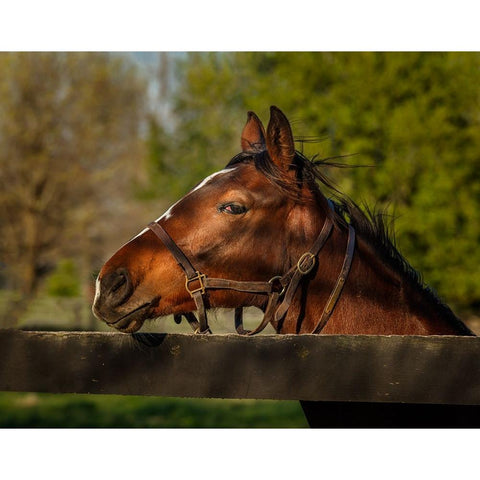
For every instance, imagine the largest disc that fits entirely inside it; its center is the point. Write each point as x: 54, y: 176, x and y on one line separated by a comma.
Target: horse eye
x: 232, y: 208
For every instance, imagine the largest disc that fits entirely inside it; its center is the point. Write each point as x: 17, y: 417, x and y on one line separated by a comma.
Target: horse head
x: 247, y: 222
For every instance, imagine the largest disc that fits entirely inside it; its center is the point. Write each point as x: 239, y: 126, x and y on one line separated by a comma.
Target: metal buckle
x: 278, y: 277
x: 309, y: 268
x: 201, y: 278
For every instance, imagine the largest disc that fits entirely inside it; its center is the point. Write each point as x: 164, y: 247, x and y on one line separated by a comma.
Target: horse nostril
x: 122, y: 279
x: 117, y: 287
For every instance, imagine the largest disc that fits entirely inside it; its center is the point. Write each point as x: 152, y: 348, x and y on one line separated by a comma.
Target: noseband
x: 280, y: 289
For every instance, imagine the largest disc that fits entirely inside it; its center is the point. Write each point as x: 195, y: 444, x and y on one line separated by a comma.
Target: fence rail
x: 331, y: 369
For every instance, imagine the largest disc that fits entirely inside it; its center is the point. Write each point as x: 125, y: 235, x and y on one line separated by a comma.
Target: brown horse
x: 261, y: 233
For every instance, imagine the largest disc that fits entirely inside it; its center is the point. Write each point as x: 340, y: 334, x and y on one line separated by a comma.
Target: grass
x: 41, y: 410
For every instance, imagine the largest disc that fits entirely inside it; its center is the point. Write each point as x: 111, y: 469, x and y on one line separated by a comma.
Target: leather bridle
x: 280, y: 289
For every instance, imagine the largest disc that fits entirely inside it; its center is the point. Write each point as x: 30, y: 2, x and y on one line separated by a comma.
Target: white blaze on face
x: 211, y: 177
x: 169, y: 213
x: 97, y: 290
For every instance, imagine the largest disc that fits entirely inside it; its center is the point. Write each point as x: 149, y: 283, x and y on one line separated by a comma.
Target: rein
x: 280, y: 289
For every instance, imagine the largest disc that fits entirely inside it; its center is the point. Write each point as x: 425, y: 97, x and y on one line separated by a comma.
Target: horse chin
x: 132, y: 327
x: 133, y: 321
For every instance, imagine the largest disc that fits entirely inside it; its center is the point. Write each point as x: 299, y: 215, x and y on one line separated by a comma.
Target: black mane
x: 374, y: 226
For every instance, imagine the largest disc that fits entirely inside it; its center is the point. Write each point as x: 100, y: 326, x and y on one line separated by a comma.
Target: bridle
x: 280, y: 289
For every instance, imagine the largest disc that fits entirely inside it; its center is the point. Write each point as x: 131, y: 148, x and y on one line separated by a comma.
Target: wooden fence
x: 341, y: 380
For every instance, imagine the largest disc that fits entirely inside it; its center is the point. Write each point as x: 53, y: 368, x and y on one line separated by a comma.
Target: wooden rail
x: 375, y: 371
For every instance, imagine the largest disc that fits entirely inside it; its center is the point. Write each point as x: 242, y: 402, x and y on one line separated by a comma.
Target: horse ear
x: 253, y: 135
x: 280, y: 143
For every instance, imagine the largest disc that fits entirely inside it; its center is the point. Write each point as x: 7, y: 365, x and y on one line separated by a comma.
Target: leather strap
x: 191, y: 319
x: 249, y: 287
x: 204, y: 282
x: 342, y: 278
x: 267, y: 316
x: 301, y: 269
x: 191, y: 275
x: 182, y: 260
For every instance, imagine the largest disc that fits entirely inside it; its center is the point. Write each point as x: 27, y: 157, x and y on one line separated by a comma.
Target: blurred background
x: 93, y: 146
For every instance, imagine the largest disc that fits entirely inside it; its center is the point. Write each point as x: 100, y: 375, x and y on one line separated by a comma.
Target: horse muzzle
x: 112, y: 303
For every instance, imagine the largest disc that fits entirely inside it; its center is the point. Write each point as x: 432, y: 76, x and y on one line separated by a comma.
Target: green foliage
x: 413, y: 116
x: 65, y: 280
x: 162, y: 177
x: 105, y: 411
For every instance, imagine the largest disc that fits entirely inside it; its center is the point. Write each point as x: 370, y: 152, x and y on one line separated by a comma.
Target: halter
x: 280, y: 288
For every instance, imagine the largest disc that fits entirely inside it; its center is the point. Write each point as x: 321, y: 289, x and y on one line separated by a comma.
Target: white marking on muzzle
x: 97, y: 290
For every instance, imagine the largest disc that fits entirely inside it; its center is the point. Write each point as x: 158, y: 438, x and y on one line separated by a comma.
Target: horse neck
x: 375, y: 299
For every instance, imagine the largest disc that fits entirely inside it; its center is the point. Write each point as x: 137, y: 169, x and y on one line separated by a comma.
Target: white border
x: 214, y: 25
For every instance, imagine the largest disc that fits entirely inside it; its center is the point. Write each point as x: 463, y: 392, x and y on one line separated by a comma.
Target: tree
x: 69, y: 128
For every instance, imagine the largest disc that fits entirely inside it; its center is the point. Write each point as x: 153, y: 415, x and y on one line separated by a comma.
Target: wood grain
x: 336, y: 368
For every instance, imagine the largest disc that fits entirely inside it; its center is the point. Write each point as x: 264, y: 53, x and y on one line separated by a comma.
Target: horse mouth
x: 132, y: 321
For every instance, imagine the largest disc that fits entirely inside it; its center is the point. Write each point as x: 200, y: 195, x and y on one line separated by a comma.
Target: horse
x: 261, y: 233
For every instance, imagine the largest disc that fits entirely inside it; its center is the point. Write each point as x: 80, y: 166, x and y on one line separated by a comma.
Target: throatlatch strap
x: 336, y: 292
